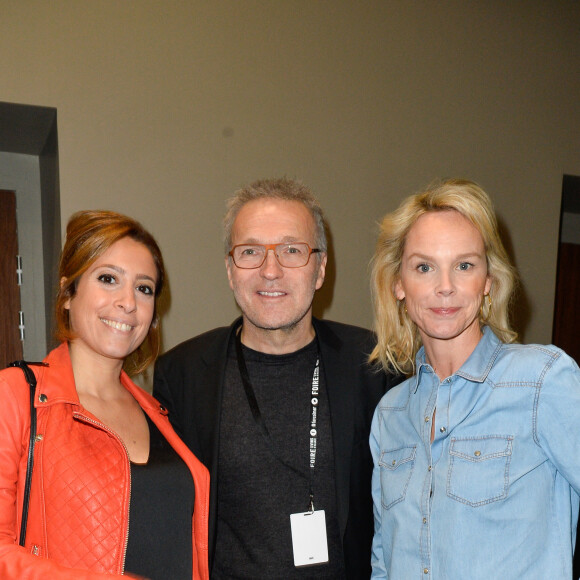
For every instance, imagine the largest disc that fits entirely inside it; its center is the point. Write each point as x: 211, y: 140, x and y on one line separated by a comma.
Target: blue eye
x: 423, y: 268
x: 465, y: 266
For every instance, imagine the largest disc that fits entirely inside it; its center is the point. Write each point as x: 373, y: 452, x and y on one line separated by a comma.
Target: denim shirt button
x: 425, y: 570
x: 442, y: 429
x: 426, y: 419
x: 424, y: 520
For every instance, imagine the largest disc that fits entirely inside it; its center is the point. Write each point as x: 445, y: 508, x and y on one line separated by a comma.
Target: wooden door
x: 566, y: 327
x: 566, y: 333
x: 10, y: 344
x: 565, y: 330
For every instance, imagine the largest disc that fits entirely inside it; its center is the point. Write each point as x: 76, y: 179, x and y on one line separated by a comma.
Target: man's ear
x: 229, y: 266
x: 321, y: 271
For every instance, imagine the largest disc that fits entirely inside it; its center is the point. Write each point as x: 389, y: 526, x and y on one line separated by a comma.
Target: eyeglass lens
x: 288, y: 255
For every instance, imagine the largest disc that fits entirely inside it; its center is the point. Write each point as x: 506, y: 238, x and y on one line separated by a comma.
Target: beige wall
x: 166, y: 107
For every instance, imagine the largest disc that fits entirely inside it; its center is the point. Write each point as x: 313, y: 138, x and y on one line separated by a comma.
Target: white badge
x: 309, y: 538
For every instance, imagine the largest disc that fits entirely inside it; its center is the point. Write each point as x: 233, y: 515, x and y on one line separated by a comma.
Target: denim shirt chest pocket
x: 396, y: 468
x: 479, y: 469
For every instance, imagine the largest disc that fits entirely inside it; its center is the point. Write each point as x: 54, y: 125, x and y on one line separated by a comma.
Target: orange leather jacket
x: 79, y: 503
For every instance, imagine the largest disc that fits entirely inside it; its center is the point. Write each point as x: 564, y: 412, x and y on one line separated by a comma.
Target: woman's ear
x: 488, y: 284
x: 63, y: 281
x: 398, y: 290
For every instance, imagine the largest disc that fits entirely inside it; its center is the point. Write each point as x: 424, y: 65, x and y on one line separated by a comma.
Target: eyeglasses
x: 250, y: 256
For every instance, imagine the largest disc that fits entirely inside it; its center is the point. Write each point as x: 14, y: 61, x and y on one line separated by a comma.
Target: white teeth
x: 271, y: 293
x: 117, y: 325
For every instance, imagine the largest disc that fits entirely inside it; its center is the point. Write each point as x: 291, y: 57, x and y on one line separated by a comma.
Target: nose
x: 126, y: 299
x: 445, y: 286
x: 271, y: 268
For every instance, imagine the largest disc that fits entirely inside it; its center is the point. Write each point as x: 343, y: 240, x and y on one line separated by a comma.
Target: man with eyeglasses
x: 278, y: 406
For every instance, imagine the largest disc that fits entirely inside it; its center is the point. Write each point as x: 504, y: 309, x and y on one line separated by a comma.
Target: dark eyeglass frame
x: 267, y: 248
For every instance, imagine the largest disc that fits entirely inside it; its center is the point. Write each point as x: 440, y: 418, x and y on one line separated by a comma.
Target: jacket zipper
x: 105, y: 428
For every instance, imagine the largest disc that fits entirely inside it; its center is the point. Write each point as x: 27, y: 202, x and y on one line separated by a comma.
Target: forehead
x: 448, y: 229
x: 128, y: 253
x: 272, y: 220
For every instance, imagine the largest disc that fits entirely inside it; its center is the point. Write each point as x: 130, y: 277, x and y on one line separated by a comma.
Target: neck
x: 94, y: 374
x: 279, y: 340
x: 447, y: 356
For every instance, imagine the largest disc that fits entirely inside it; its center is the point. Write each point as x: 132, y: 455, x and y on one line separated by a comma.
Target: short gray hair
x: 277, y: 188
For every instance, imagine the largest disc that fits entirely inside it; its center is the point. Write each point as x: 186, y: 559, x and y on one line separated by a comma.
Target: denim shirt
x: 496, y: 493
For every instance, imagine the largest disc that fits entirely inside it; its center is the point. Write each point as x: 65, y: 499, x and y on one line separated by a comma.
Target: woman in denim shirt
x: 477, y: 454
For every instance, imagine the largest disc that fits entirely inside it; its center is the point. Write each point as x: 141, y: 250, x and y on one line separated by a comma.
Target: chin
x: 449, y: 334
x: 119, y: 352
x: 275, y: 323
x: 280, y: 325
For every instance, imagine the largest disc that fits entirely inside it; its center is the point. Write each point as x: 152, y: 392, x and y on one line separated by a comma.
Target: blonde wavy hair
x: 398, y: 338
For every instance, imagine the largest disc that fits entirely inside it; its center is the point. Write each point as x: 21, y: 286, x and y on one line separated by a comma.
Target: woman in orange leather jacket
x: 114, y: 490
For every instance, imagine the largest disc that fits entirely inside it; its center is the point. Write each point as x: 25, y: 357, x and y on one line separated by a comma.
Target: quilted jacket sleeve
x: 17, y: 563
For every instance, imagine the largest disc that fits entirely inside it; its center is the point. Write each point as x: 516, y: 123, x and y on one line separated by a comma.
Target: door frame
x: 29, y: 166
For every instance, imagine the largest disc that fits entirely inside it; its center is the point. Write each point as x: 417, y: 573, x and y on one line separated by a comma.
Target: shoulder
x: 55, y: 369
x: 346, y: 333
x: 12, y: 379
x: 347, y: 348
x: 397, y: 397
x: 15, y: 393
x: 530, y: 363
x: 205, y: 343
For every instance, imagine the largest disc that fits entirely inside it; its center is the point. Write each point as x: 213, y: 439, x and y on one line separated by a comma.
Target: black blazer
x: 189, y: 382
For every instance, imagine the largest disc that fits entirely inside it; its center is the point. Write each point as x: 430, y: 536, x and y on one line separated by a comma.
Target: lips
x: 117, y: 325
x: 271, y: 293
x: 444, y: 311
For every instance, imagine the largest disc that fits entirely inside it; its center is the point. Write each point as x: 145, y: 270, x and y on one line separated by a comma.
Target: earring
x: 485, y: 317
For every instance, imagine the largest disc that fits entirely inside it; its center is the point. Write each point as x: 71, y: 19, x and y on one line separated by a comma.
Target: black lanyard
x: 259, y: 420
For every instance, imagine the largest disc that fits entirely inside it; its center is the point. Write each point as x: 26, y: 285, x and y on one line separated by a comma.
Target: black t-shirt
x: 257, y: 492
x: 161, y: 509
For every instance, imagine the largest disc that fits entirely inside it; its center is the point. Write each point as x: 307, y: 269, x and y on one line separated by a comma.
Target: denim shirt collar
x: 475, y: 368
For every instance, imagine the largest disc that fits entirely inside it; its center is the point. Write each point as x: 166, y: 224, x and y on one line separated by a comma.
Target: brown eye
x: 145, y: 289
x: 107, y: 278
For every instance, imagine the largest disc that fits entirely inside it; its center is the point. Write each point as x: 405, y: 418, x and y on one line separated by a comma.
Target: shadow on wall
x: 323, y: 297
x: 521, y: 312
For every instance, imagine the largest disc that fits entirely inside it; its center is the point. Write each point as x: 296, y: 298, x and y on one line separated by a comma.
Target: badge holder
x: 309, y: 543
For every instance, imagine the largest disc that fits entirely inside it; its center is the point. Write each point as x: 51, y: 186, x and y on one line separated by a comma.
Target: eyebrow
x: 285, y: 240
x: 460, y: 257
x: 123, y: 271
